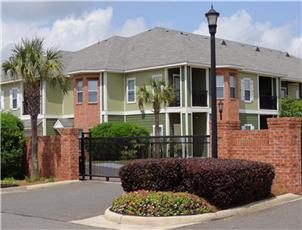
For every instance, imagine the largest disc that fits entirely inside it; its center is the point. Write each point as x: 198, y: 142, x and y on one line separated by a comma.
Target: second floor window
x: 232, y: 87
x: 247, y: 90
x: 220, y: 86
x: 92, y: 91
x: 131, y: 94
x: 79, y: 91
x: 14, y: 98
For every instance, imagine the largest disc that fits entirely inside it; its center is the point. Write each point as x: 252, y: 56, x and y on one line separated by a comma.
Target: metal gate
x: 104, y: 156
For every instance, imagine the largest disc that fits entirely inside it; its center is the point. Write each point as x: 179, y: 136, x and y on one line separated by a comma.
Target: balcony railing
x: 199, y: 98
x: 268, y: 102
x: 176, y: 102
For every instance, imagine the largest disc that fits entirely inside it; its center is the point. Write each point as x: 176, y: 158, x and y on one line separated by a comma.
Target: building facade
x: 106, y: 76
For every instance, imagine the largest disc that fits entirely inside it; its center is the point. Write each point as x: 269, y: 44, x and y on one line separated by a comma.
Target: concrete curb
x: 186, y: 220
x: 35, y: 186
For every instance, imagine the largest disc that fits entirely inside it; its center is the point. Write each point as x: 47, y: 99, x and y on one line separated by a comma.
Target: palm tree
x: 158, y: 95
x: 33, y: 64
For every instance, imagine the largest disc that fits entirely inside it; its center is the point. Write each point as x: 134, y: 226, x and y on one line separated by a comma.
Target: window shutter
x: 252, y: 89
x: 242, y: 90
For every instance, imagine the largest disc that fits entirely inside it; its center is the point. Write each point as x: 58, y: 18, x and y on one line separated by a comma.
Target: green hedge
x: 12, y: 146
x: 291, y: 107
x: 108, y: 149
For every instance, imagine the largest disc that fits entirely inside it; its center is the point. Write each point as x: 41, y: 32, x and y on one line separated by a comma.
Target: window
x: 248, y: 127
x: 131, y: 93
x: 161, y: 130
x: 92, y: 91
x: 220, y: 86
x: 232, y: 87
x: 1, y: 100
x: 247, y: 90
x: 283, y: 92
x: 14, y: 98
x: 79, y: 91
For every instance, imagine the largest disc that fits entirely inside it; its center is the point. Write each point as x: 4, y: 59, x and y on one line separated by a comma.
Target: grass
x: 9, y: 182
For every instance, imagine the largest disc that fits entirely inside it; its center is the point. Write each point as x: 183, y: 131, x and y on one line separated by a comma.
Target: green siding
x: 183, y: 123
x: 254, y: 103
x: 142, y: 78
x: 248, y: 119
x: 6, y: 92
x: 54, y: 100
x: 116, y: 118
x: 68, y: 100
x: 293, y: 90
x: 116, y: 92
x: 49, y: 127
x: 146, y: 120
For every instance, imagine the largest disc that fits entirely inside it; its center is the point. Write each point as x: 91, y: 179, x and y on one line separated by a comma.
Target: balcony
x: 199, y: 98
x: 268, y: 102
x: 176, y: 102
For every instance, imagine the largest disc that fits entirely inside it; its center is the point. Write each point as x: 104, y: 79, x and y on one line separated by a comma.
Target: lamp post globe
x: 212, y: 16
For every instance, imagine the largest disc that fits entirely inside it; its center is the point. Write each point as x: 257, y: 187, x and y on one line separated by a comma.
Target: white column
x: 101, y: 98
x: 105, y: 97
x: 44, y: 125
x: 180, y: 85
x: 208, y: 132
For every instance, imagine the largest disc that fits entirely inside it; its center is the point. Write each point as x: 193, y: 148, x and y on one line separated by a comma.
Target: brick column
x: 285, y: 151
x: 68, y: 167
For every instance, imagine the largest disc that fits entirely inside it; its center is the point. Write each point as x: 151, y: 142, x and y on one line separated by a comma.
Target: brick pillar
x: 285, y: 151
x: 68, y: 167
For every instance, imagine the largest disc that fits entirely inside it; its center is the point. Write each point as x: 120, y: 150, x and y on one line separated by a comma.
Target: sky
x: 75, y: 25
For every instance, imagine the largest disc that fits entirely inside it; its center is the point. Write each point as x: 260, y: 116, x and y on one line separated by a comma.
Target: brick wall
x: 58, y: 156
x: 279, y: 145
x: 86, y: 114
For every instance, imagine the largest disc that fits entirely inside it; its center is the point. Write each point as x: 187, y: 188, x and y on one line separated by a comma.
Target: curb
x: 185, y: 220
x: 35, y: 186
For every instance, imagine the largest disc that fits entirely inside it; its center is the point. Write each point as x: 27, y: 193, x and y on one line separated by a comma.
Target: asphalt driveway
x: 53, y: 207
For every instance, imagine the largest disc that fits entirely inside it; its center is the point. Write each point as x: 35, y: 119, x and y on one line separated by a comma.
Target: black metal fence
x: 104, y: 156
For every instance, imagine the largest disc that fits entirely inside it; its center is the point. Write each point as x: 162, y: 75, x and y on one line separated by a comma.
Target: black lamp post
x: 212, y: 17
x: 220, y: 108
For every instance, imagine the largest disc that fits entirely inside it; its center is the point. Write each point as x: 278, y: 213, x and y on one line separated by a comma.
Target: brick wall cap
x: 69, y: 131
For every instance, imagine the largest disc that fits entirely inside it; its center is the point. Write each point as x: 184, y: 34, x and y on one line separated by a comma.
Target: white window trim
x: 251, y: 90
x: 11, y: 98
x: 93, y: 91
x: 130, y: 79
x: 220, y: 86
x: 161, y: 127
x: 2, y: 100
x: 244, y: 127
x: 79, y: 91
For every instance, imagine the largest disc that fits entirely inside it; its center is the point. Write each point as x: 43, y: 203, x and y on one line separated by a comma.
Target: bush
x: 145, y: 203
x: 12, y: 145
x: 127, y: 150
x: 291, y: 107
x: 223, y: 182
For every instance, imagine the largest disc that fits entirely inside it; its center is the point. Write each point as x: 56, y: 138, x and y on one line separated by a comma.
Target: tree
x: 33, y: 64
x: 158, y: 95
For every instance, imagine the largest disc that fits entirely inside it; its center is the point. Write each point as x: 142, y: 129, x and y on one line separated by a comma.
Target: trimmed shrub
x: 145, y: 203
x: 12, y: 145
x: 127, y: 150
x: 154, y: 174
x: 291, y: 107
x: 223, y: 182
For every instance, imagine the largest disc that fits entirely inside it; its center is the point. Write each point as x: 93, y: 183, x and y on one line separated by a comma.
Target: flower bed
x: 151, y: 203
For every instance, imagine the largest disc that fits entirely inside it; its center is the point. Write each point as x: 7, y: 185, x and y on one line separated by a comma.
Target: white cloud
x: 240, y: 27
x: 71, y: 33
